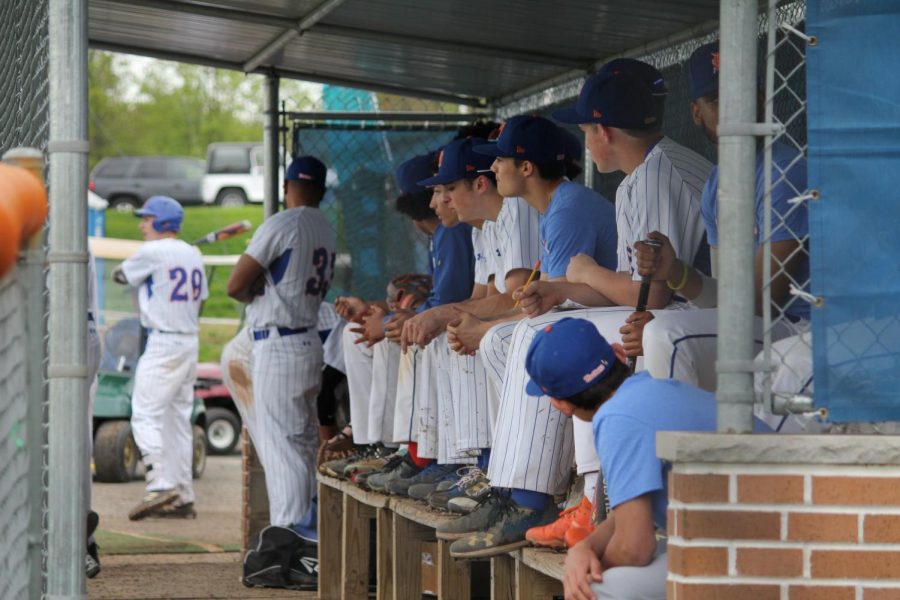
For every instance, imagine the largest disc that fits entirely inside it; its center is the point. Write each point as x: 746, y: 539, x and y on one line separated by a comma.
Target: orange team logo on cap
x: 595, y: 373
x: 440, y: 158
x: 597, y: 114
x: 715, y: 62
x: 470, y: 168
x: 520, y: 149
x: 548, y: 328
x: 501, y: 128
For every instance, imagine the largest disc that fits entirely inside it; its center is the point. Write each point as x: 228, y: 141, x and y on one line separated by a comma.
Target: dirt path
x: 175, y: 559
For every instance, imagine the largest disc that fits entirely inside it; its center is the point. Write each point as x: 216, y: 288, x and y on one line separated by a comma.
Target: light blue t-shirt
x: 788, y: 221
x: 452, y: 266
x: 577, y: 220
x: 625, y: 430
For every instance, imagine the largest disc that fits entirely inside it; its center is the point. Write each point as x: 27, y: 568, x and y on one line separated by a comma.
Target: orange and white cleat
x: 554, y: 535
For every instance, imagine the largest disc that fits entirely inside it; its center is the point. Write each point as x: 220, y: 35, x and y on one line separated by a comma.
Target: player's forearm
x: 581, y: 293
x: 628, y: 550
x: 490, y: 306
x: 599, y: 538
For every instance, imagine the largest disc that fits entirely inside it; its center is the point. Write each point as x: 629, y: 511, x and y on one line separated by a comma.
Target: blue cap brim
x: 570, y: 116
x: 533, y: 389
x: 492, y: 149
x: 142, y: 213
x: 438, y: 180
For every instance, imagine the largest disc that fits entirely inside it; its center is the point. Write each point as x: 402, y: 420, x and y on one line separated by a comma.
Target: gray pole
x: 737, y: 150
x: 67, y: 370
x: 270, y: 147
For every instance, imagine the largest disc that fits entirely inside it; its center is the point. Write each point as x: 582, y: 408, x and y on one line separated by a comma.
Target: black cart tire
x: 115, y: 453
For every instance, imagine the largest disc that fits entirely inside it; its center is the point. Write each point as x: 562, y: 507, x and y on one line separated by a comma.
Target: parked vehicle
x: 234, y: 173
x: 126, y: 181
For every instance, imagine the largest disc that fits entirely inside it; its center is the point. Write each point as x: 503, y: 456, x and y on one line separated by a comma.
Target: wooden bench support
x: 538, y: 574
x: 503, y: 577
x: 384, y: 561
x: 355, y: 546
x: 331, y: 516
x: 453, y: 575
x: 407, y: 557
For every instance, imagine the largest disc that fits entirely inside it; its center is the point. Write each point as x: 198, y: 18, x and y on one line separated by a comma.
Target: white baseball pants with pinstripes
x: 404, y: 403
x: 287, y: 374
x: 474, y: 403
x: 372, y: 383
x: 534, y: 444
x: 161, y: 406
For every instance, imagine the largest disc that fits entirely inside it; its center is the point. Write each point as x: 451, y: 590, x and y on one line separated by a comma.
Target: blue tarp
x: 853, y: 91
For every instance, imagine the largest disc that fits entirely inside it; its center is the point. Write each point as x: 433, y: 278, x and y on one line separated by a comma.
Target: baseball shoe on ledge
x: 479, y: 519
x: 555, y: 534
x: 281, y: 558
x: 430, y: 475
x: 406, y: 468
x: 505, y: 533
x: 152, y: 501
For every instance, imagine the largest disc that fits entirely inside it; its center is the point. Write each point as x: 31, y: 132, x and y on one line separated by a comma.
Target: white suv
x: 234, y: 173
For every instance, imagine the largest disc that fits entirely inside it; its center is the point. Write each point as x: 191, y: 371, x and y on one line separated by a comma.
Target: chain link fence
x: 24, y: 121
x: 373, y: 136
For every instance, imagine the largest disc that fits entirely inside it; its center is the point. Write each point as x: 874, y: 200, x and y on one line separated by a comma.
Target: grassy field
x: 198, y: 221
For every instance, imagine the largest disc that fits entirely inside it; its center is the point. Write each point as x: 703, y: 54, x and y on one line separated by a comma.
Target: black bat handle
x: 643, y: 295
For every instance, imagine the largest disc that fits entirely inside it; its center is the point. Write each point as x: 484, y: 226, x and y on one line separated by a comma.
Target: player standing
x: 283, y: 275
x: 171, y: 286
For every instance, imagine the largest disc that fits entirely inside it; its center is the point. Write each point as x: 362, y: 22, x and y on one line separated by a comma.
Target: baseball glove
x: 408, y: 291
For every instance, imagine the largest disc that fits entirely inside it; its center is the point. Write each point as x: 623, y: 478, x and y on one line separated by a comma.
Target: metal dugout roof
x: 476, y: 52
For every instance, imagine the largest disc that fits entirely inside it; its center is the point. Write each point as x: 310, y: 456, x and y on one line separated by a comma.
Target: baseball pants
x: 383, y: 392
x: 493, y: 350
x: 237, y: 374
x: 636, y: 583
x: 161, y: 406
x: 449, y: 449
x: 358, y: 364
x: 287, y: 372
x: 473, y: 401
x: 682, y: 344
x: 404, y: 403
x: 426, y: 398
x: 533, y: 442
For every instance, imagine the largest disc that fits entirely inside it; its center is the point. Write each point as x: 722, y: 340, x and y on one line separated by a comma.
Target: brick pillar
x: 783, y: 517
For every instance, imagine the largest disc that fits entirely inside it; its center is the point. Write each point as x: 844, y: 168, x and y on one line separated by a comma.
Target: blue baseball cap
x: 567, y: 357
x: 166, y: 212
x: 527, y: 138
x: 307, y: 168
x: 458, y: 160
x: 703, y: 71
x: 410, y: 172
x: 624, y: 93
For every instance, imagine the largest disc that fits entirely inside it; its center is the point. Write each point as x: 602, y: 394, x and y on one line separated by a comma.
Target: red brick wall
x: 784, y: 532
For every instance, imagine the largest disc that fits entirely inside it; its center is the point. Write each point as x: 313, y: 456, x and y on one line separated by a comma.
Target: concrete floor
x: 197, y: 562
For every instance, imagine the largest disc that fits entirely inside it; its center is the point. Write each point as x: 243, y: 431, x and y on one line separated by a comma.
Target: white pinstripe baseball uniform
x: 171, y: 286
x: 297, y: 249
x: 663, y: 194
x: 513, y: 242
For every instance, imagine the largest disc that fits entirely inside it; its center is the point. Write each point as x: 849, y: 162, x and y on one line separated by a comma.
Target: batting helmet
x: 166, y: 212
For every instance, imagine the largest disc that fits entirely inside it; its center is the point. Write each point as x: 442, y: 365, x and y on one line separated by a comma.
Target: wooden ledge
x: 543, y: 560
x: 419, y: 513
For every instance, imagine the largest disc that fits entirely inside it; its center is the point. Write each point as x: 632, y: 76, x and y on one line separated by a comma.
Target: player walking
x: 283, y: 276
x: 171, y: 286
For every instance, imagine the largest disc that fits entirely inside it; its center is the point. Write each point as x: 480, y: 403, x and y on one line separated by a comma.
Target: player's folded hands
x: 582, y: 569
x: 371, y: 329
x: 633, y: 332
x: 393, y: 328
x: 464, y: 333
x: 350, y: 308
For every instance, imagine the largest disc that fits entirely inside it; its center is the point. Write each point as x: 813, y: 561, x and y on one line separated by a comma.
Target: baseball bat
x: 224, y: 233
x: 643, y: 294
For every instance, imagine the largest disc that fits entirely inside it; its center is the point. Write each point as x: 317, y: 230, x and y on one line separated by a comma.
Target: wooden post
x: 355, y: 549
x: 331, y: 512
x: 534, y: 585
x: 407, y: 557
x: 503, y: 577
x: 453, y: 575
x: 384, y: 563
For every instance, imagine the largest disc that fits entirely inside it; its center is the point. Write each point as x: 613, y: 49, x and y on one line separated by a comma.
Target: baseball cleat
x: 152, y: 501
x: 281, y: 558
x: 504, y: 534
x: 554, y: 535
x: 175, y: 511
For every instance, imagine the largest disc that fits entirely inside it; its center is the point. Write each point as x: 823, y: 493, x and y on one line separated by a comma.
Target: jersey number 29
x: 180, y: 277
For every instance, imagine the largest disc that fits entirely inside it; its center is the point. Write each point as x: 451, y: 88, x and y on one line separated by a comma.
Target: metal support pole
x: 737, y: 159
x: 67, y: 369
x: 270, y: 148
